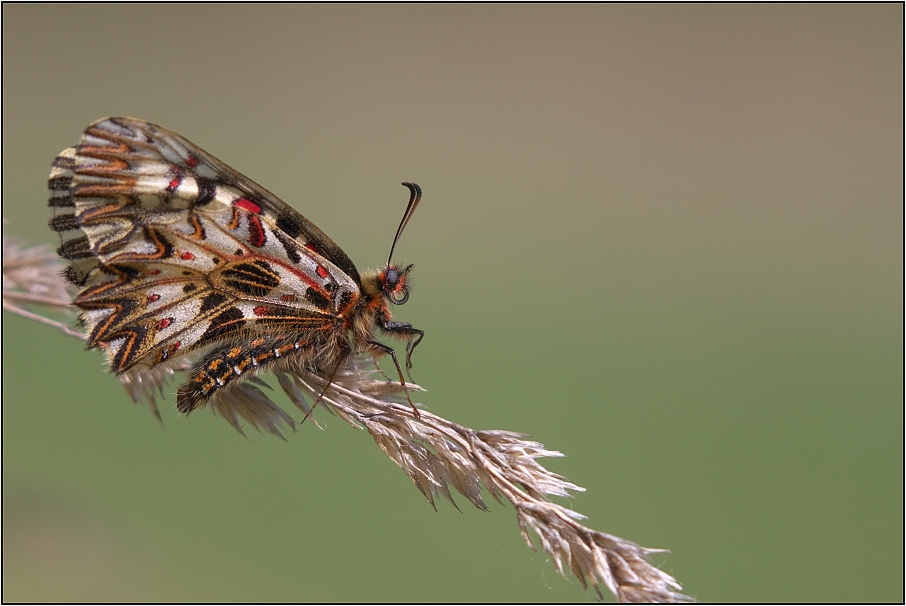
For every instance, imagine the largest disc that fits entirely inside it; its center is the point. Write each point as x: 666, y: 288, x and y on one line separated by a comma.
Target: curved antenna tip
x: 415, y: 196
x: 413, y: 187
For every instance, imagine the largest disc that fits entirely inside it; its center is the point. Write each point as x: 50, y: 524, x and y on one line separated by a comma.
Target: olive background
x: 666, y: 240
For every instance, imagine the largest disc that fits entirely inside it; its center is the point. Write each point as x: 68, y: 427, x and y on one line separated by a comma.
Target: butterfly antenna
x: 415, y: 196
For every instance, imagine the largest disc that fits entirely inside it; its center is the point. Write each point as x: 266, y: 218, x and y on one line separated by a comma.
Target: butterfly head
x: 392, y: 283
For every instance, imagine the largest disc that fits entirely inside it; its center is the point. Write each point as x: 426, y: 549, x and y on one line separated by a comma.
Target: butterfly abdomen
x: 223, y: 367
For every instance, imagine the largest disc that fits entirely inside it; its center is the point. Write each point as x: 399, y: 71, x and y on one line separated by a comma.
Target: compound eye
x: 391, y: 278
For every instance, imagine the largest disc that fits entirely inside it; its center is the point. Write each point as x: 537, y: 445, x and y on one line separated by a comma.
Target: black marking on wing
x: 290, y: 246
x: 290, y: 225
x: 345, y: 297
x: 215, y: 299
x: 63, y: 182
x: 64, y: 223
x: 124, y: 357
x: 253, y: 279
x: 223, y: 324
x: 317, y: 299
x: 206, y: 190
x: 71, y: 275
x: 64, y: 162
x: 75, y: 249
x: 62, y: 201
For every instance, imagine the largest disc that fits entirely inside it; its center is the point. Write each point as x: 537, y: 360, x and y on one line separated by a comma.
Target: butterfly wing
x: 175, y: 250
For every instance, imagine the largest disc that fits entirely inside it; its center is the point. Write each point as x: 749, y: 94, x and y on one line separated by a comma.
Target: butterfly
x: 182, y: 262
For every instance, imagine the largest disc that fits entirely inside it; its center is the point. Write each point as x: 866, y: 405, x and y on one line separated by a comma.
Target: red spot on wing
x: 192, y: 161
x: 311, y: 247
x: 153, y: 272
x: 165, y: 323
x: 186, y: 256
x: 322, y: 271
x: 288, y: 298
x: 174, y: 184
x: 262, y: 310
x: 153, y: 298
x: 248, y: 205
x: 257, y: 237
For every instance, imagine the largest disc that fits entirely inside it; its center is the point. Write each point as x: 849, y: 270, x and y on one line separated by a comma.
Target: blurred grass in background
x: 665, y: 240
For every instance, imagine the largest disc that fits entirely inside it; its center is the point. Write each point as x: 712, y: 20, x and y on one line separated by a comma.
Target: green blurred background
x: 665, y: 240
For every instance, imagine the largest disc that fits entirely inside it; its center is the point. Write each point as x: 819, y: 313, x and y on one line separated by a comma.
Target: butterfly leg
x: 379, y: 349
x: 404, y: 329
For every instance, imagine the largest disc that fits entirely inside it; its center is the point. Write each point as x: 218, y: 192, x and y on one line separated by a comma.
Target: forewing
x: 174, y: 249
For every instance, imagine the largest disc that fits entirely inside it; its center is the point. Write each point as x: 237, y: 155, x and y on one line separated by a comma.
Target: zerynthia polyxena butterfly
x: 178, y: 256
